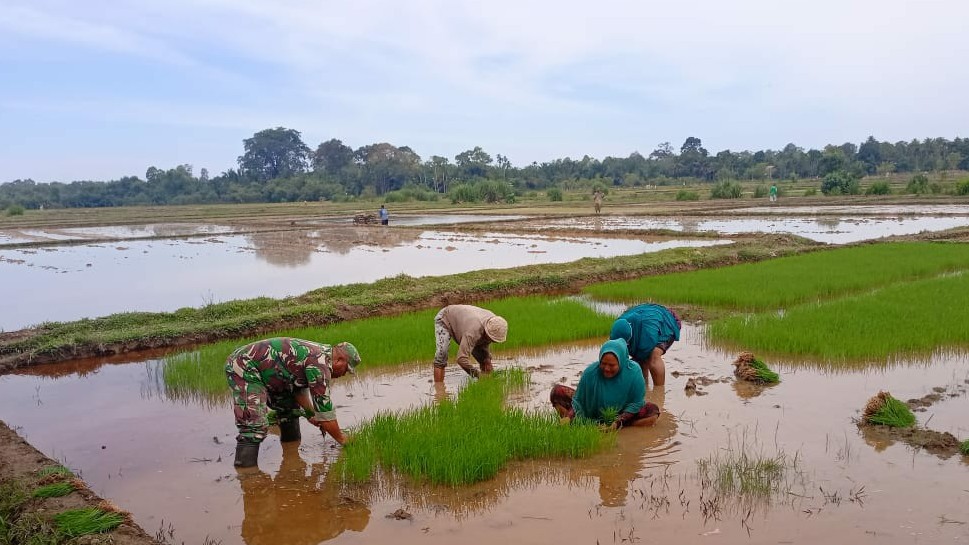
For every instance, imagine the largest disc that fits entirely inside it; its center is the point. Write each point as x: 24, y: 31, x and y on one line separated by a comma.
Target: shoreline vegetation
x: 127, y: 332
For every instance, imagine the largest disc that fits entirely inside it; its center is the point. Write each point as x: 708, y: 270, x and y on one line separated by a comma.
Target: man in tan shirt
x: 474, y: 329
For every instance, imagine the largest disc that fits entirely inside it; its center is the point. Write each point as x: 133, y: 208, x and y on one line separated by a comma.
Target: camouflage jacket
x: 285, y: 365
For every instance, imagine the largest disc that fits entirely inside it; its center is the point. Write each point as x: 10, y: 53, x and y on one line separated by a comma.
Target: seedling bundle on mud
x: 885, y: 410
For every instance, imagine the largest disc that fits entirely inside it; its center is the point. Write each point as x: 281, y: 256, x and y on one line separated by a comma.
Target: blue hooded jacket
x: 625, y: 392
x: 643, y: 327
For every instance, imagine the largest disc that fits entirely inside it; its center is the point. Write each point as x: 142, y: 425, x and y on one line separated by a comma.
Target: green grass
x: 22, y: 528
x: 740, y: 471
x: 54, y: 470
x: 911, y: 319
x: 89, y: 520
x: 394, y: 340
x: 793, y: 280
x: 964, y: 447
x: 466, y: 440
x: 893, y: 413
x: 53, y: 490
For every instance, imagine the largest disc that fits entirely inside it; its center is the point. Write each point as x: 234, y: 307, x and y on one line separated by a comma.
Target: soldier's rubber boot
x: 247, y: 454
x: 289, y: 431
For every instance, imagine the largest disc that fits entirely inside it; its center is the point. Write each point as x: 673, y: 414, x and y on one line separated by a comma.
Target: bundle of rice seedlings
x: 964, y: 447
x: 608, y: 415
x: 749, y: 368
x: 53, y: 490
x: 885, y: 410
x: 80, y: 522
x: 109, y: 507
x: 60, y: 472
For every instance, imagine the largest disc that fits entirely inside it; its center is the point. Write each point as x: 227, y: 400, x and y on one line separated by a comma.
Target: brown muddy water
x: 169, y: 461
x: 60, y: 283
x: 830, y: 229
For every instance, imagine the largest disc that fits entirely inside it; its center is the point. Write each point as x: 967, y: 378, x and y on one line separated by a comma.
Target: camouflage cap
x: 353, y: 356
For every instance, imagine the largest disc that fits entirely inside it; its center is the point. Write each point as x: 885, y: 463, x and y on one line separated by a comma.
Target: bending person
x: 649, y: 330
x: 611, y: 391
x: 474, y: 329
x: 290, y: 376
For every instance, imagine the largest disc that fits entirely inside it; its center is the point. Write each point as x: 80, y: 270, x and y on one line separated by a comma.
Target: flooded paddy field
x: 168, y: 460
x: 830, y: 229
x: 55, y: 282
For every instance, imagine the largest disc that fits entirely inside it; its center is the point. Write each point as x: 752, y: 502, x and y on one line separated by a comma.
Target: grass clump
x: 749, y: 368
x: 54, y: 490
x: 964, y: 447
x: 885, y: 410
x: 89, y: 520
x: 740, y: 472
x: 466, y: 440
x: 58, y: 471
x: 798, y: 279
x: 873, y: 327
x: 394, y: 340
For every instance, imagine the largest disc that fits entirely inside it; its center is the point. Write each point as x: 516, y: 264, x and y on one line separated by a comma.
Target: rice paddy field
x: 799, y: 454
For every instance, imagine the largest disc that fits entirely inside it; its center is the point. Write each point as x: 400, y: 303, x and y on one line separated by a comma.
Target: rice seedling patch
x: 395, y: 340
x: 90, y: 520
x: 964, y: 447
x: 58, y: 471
x: 54, y: 490
x: 793, y: 280
x: 911, y: 319
x: 883, y: 409
x: 466, y: 440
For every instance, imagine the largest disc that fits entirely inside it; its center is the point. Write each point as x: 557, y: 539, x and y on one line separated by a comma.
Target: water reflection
x: 299, y: 506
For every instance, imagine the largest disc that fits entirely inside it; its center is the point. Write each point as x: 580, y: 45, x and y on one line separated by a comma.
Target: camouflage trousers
x: 251, y: 402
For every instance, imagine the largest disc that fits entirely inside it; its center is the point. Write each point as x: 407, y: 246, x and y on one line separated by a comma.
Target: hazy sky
x: 99, y: 89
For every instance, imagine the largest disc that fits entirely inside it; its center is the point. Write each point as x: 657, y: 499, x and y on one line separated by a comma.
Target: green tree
x: 332, y: 156
x: 474, y: 162
x: 274, y: 153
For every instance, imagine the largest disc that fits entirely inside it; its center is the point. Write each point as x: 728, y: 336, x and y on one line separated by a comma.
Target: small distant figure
x: 384, y: 215
x: 773, y: 192
x: 649, y: 330
x: 597, y: 200
x: 474, y: 329
x: 611, y: 392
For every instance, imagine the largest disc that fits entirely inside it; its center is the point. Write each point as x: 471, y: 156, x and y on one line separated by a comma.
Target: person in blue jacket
x: 649, y: 330
x: 611, y: 392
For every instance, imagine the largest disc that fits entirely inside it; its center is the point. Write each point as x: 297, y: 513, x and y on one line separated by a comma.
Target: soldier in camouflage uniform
x: 290, y: 376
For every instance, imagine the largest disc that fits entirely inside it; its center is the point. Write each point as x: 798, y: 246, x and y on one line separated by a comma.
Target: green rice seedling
x: 395, y: 340
x: 89, y: 520
x: 964, y: 447
x: 883, y: 409
x: 59, y: 471
x: 787, y: 281
x: 54, y: 490
x: 466, y: 440
x: 872, y: 327
x: 30, y: 528
x: 608, y: 415
x: 749, y: 368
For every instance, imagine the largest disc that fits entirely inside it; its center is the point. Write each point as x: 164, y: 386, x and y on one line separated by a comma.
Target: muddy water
x: 169, y: 461
x: 828, y: 229
x: 863, y: 209
x: 58, y: 283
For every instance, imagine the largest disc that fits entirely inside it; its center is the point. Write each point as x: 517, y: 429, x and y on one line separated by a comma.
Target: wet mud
x: 167, y: 459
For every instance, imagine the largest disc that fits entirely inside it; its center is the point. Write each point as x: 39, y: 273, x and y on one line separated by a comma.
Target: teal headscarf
x: 624, y: 392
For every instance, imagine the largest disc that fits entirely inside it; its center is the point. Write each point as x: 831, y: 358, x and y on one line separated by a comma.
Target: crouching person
x: 474, y: 329
x: 611, y: 391
x: 290, y: 376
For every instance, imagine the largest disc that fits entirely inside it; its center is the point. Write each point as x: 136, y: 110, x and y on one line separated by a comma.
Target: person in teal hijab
x: 611, y: 391
x: 649, y: 330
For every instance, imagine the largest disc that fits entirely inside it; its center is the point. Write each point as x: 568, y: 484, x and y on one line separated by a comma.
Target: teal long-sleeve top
x: 625, y: 392
x: 648, y: 325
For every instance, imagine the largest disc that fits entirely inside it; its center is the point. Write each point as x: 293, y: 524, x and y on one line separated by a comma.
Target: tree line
x: 278, y: 166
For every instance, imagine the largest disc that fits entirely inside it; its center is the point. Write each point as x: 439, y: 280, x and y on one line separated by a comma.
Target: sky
x: 97, y: 90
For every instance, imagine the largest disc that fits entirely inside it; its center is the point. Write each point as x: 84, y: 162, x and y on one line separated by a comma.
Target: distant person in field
x: 597, y: 200
x: 649, y: 330
x: 611, y: 392
x: 773, y: 192
x: 290, y: 376
x: 384, y: 215
x: 474, y: 329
